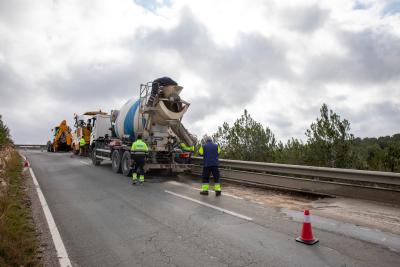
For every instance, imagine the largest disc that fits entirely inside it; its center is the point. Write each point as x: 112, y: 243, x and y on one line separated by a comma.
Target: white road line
x: 84, y: 162
x: 198, y: 189
x: 211, y: 206
x: 58, y: 243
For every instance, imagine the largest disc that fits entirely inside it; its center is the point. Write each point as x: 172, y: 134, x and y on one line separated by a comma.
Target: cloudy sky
x: 280, y: 61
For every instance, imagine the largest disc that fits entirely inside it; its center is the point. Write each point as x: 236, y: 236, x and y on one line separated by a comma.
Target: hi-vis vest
x: 139, y: 147
x: 82, y: 142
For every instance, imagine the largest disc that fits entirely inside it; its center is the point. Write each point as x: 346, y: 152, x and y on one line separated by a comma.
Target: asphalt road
x: 105, y: 221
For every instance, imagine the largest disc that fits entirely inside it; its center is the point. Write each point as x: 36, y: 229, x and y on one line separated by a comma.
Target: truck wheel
x: 95, y: 161
x: 126, y: 164
x: 116, y: 161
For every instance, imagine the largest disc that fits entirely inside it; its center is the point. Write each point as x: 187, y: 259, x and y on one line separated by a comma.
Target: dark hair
x: 139, y: 136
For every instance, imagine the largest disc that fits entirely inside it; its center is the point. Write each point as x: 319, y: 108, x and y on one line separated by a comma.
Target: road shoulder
x: 46, y: 246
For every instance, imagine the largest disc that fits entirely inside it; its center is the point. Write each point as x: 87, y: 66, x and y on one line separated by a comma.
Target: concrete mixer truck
x: 156, y: 115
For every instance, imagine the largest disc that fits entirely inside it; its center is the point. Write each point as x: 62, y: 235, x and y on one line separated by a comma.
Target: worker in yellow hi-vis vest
x: 139, y: 152
x: 82, y: 145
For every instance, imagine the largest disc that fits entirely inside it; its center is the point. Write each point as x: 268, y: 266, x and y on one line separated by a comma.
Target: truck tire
x: 95, y: 160
x: 126, y: 164
x: 116, y: 161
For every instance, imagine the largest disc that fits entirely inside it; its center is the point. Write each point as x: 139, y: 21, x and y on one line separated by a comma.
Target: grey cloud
x: 375, y: 119
x: 361, y: 5
x: 92, y: 82
x: 304, y: 19
x: 233, y: 73
x: 280, y: 121
x: 105, y: 81
x: 372, y: 58
x: 33, y: 129
x: 14, y: 90
x: 11, y: 11
x: 391, y: 8
x: 9, y: 84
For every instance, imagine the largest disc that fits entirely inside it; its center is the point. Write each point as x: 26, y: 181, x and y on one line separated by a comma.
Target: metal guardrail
x: 370, y: 185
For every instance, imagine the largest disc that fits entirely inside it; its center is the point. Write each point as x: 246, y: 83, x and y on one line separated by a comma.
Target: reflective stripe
x: 217, y: 187
x: 307, y: 219
x: 204, y: 187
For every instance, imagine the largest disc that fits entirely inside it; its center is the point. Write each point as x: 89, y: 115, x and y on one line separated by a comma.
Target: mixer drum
x: 129, y: 121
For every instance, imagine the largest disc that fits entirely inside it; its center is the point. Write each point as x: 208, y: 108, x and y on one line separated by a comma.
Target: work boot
x: 217, y: 193
x: 204, y: 193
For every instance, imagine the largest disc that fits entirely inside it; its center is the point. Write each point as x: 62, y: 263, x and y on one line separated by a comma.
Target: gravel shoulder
x: 47, y: 251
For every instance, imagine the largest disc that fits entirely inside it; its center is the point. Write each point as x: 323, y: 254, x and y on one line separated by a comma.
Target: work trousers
x: 139, y: 166
x: 206, y: 178
x: 83, y: 151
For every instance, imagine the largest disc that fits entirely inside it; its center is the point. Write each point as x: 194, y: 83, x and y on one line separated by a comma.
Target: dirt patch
x: 385, y: 217
x: 280, y: 199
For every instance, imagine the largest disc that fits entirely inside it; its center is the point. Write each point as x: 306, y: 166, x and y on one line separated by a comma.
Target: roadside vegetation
x: 18, y: 243
x: 5, y: 138
x: 329, y: 143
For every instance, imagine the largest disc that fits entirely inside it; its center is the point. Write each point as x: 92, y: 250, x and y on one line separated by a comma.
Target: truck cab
x: 101, y: 128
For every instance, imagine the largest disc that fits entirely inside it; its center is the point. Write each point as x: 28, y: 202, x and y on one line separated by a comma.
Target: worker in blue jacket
x: 210, y: 152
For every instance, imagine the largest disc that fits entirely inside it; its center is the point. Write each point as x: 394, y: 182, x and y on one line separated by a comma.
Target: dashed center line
x: 210, y: 206
x: 84, y: 162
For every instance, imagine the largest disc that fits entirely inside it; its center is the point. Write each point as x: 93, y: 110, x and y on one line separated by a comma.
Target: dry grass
x: 18, y: 243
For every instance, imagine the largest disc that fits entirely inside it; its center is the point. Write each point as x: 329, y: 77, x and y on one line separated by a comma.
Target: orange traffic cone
x: 26, y: 163
x: 306, y: 232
